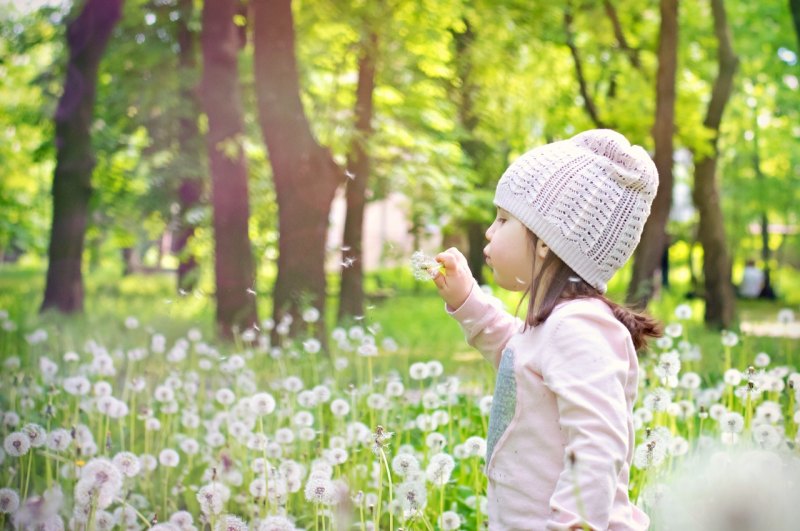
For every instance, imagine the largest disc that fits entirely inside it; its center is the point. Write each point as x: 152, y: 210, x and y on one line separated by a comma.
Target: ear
x: 541, y: 249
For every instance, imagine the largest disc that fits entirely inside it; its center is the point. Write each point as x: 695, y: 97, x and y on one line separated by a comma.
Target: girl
x: 561, y: 436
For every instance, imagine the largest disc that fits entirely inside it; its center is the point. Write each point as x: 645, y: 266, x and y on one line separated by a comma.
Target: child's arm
x: 486, y: 325
x: 587, y: 369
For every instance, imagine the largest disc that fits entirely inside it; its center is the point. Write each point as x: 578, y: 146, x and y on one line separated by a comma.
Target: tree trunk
x: 87, y: 38
x: 767, y: 291
x: 654, y: 240
x: 351, y: 293
x: 233, y: 261
x: 719, y: 294
x: 304, y: 172
x: 190, y: 189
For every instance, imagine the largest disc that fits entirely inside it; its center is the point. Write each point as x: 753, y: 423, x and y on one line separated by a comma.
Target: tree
x: 221, y: 97
x: 351, y: 293
x: 304, y: 172
x: 654, y: 240
x: 719, y: 295
x: 190, y: 188
x: 87, y: 38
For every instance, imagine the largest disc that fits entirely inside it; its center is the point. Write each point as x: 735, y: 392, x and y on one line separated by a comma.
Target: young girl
x: 561, y: 436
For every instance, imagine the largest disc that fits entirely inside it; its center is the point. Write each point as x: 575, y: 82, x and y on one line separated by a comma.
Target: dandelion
x: 275, y: 523
x: 678, y: 446
x: 36, y: 434
x: 691, y: 381
x: 212, y: 498
x: 380, y: 438
x: 293, y: 384
x: 485, y: 405
x: 668, y: 367
x: 337, y: 456
x: 664, y: 342
x: 405, y: 465
x: 367, y: 350
x: 77, y: 385
x: 356, y: 333
x: 340, y: 407
x: 786, y: 316
x: 169, y: 458
x: 683, y: 312
x: 658, y: 400
x: 377, y: 402
x: 395, y: 388
x: 439, y: 469
x: 17, y: 444
x: 127, y: 463
x: 100, y: 483
x: 767, y: 436
x: 731, y: 424
x: 320, y: 490
x: 650, y: 453
x: 424, y: 267
x: 768, y: 412
x: 449, y: 520
x: 230, y: 523
x: 418, y: 371
x: 182, y: 519
x: 475, y: 446
x: 729, y: 339
x: 674, y: 330
x: 9, y: 501
x: 732, y: 377
x: 435, y: 441
x: 762, y: 359
x: 225, y: 396
x: 59, y: 440
x: 413, y: 497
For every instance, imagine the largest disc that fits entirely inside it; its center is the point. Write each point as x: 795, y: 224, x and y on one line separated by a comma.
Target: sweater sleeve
x: 587, y: 371
x: 486, y: 326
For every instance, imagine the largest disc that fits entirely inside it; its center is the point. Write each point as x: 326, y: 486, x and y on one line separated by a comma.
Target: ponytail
x: 564, y: 284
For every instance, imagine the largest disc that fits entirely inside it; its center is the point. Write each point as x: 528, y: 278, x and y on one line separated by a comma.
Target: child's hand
x: 456, y: 281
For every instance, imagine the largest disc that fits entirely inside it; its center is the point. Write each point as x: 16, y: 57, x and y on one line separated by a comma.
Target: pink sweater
x: 565, y: 387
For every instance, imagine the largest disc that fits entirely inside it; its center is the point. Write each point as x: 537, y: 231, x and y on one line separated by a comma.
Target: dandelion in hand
x: 424, y: 266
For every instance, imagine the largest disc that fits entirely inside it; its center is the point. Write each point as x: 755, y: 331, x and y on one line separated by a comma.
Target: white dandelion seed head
x: 683, y: 312
x: 424, y: 267
x: 786, y: 316
x: 169, y: 458
x: 16, y: 444
x: 339, y: 407
x: 435, y: 441
x: 413, y: 497
x: 274, y: 523
x: 729, y: 339
x: 439, y: 469
x: 690, y: 380
x: 657, y: 400
x: 311, y: 315
x: 395, y: 388
x: 59, y: 440
x: 405, y: 464
x: 475, y: 446
x: 767, y: 436
x: 127, y: 463
x: 9, y: 501
x: 649, y: 454
x: 320, y: 490
x: 720, y: 490
x: 418, y: 371
x: 449, y: 521
x: 377, y: 401
x: 761, y: 360
x: 356, y: 333
x: 731, y: 422
x: 293, y: 384
x: 674, y: 330
x: 212, y: 498
x: 36, y: 434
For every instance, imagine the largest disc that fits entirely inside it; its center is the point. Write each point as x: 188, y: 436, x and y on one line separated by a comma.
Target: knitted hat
x: 587, y: 198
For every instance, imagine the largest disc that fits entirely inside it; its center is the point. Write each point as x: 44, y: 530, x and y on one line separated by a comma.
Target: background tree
x: 304, y: 172
x: 654, y: 241
x: 233, y: 259
x: 718, y: 293
x: 87, y: 37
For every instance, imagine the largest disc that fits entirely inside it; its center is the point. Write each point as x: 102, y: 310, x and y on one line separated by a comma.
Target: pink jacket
x: 565, y: 387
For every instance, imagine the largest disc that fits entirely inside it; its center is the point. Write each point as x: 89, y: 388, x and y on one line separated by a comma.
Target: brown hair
x: 563, y: 284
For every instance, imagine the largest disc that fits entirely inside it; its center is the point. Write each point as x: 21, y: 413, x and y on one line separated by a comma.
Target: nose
x: 490, y: 231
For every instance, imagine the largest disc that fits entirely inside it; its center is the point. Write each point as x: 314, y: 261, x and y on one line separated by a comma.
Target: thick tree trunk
x: 719, y: 294
x: 233, y: 260
x: 304, y: 172
x: 654, y: 240
x: 87, y: 38
x: 351, y: 293
x: 190, y: 189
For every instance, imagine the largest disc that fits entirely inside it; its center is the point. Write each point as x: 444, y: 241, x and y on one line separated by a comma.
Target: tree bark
x: 719, y: 294
x: 233, y: 260
x: 87, y: 38
x: 305, y: 174
x: 190, y: 189
x: 654, y: 240
x: 351, y: 293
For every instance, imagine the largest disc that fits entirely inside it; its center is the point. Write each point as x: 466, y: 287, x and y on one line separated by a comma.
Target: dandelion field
x: 137, y: 424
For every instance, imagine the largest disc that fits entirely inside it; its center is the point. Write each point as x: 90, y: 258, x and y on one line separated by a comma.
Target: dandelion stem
x: 27, y: 475
x: 389, y: 476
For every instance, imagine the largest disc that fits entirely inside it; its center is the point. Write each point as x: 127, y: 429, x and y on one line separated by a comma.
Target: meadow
x: 133, y: 416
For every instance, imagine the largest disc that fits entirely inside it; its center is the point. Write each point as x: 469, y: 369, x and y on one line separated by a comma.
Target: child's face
x: 509, y: 252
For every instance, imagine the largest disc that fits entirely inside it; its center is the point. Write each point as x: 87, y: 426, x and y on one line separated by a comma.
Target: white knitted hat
x: 587, y: 198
